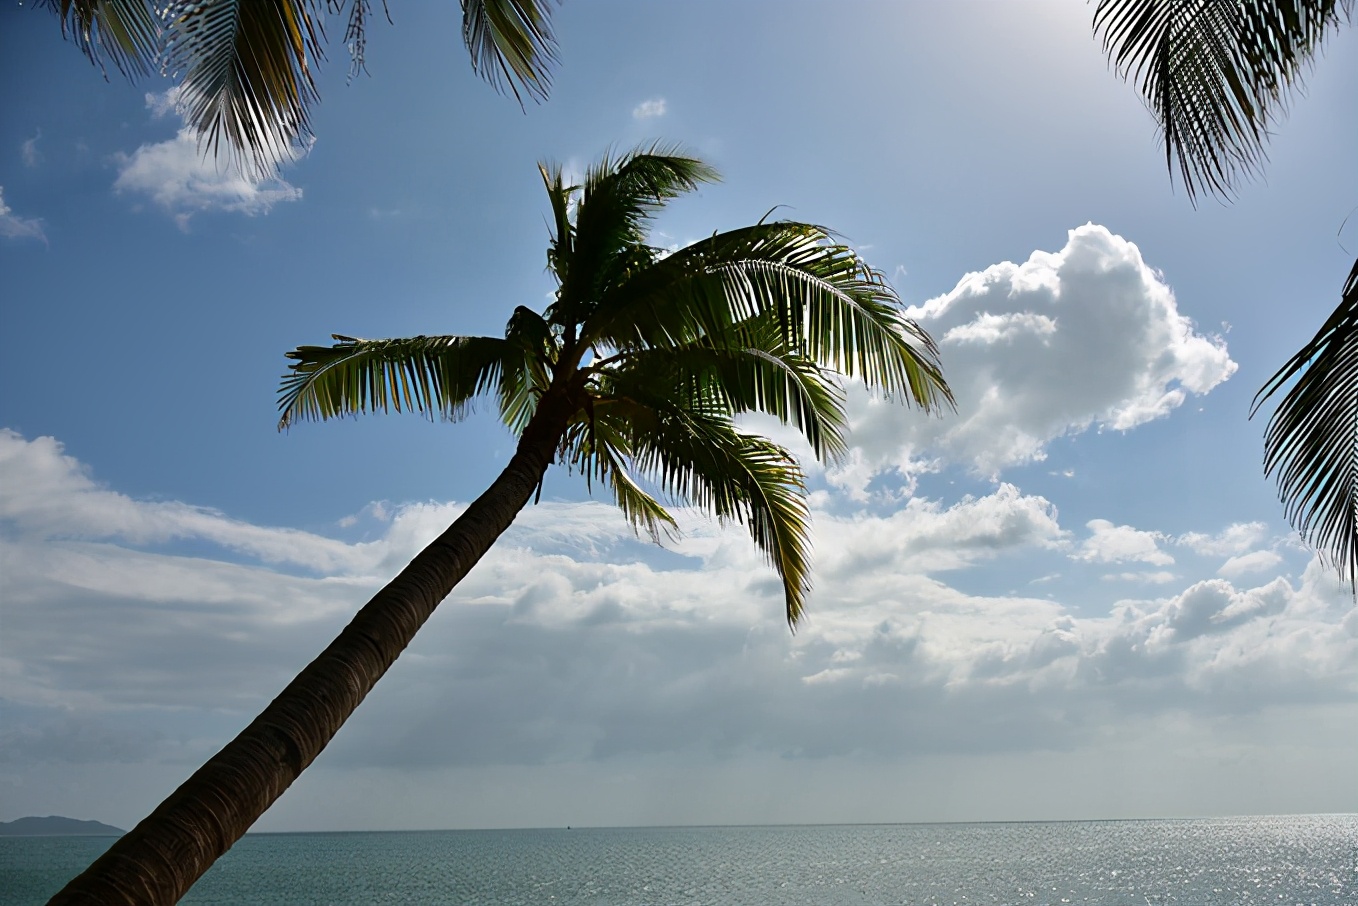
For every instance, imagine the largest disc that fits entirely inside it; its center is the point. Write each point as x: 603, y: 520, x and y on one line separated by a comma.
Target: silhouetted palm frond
x: 1216, y: 74
x: 1312, y: 438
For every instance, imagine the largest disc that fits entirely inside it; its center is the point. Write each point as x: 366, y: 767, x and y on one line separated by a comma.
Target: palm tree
x: 249, y: 65
x: 1217, y: 75
x: 635, y: 376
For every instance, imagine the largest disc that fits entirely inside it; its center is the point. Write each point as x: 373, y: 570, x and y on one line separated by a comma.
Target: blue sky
x: 1074, y: 598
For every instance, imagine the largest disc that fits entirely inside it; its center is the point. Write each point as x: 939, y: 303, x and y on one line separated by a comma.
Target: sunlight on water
x: 1305, y: 861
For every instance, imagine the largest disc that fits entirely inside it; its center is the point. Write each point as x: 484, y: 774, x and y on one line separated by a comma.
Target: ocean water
x: 1289, y: 861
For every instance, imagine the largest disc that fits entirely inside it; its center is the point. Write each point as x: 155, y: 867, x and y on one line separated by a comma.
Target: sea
x: 1286, y: 861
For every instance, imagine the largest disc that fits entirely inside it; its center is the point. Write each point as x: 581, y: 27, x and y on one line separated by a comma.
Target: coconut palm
x: 635, y: 376
x: 249, y: 66
x: 1217, y: 75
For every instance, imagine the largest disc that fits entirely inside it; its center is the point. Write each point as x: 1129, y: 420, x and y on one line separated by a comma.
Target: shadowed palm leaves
x: 635, y: 376
x: 248, y: 66
x: 1217, y: 74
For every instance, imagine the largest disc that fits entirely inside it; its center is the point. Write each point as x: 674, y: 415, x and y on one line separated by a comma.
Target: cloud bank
x: 573, y: 641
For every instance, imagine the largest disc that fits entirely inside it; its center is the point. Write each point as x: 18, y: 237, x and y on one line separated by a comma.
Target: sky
x: 1074, y: 598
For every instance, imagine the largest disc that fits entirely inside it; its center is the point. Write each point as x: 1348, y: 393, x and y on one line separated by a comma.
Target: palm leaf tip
x: 249, y: 81
x: 512, y: 44
x: 1311, y: 441
x: 1216, y: 75
x: 124, y: 32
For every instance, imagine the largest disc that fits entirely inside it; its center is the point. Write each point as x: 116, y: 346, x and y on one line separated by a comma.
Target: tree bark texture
x: 160, y: 859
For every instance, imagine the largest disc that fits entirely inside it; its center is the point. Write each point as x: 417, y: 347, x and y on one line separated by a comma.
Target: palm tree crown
x: 656, y: 354
x: 249, y: 66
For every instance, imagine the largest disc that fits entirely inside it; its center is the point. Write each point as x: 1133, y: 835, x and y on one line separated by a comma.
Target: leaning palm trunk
x: 160, y: 859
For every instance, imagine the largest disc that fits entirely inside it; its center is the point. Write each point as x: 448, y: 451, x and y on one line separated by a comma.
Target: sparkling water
x: 1295, y: 860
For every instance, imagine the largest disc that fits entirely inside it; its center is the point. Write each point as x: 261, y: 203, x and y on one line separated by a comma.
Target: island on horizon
x: 57, y: 826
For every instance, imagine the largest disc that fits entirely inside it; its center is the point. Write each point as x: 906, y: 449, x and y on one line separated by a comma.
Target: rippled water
x: 1288, y: 861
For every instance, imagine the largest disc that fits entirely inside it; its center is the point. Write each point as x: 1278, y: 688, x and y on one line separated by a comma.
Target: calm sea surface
x: 1289, y: 861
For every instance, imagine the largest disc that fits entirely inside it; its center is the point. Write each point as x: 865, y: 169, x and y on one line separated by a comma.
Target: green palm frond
x: 532, y: 353
x: 511, y: 44
x: 595, y: 448
x: 696, y: 455
x: 560, y: 252
x: 739, y: 478
x: 248, y: 67
x: 752, y: 372
x: 433, y: 375
x: 1215, y: 74
x: 247, y: 73
x: 1311, y: 442
x: 835, y: 309
x: 125, y: 32
x: 616, y: 201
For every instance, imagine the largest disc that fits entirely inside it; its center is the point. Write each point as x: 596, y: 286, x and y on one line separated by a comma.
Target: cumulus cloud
x: 1234, y: 539
x: 1109, y: 543
x: 13, y: 226
x: 649, y: 109
x: 1244, y: 564
x: 1088, y: 337
x: 182, y: 181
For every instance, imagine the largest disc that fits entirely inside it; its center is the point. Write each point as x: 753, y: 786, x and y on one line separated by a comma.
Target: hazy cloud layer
x: 573, y: 641
x: 182, y: 181
x: 1086, y: 337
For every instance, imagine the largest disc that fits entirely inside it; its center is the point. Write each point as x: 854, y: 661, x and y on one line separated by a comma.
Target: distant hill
x: 54, y: 826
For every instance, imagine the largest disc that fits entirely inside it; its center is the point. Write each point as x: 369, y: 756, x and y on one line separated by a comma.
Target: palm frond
x: 511, y: 44
x: 598, y: 451
x: 434, y: 375
x: 1216, y: 74
x: 124, y: 32
x: 531, y: 353
x: 699, y: 457
x: 753, y: 371
x: 561, y: 249
x: 1311, y: 442
x: 247, y: 73
x: 832, y: 308
x: 617, y: 199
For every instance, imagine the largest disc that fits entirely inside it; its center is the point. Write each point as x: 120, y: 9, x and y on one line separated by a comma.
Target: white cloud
x: 1244, y: 564
x: 1111, y: 543
x: 1086, y: 337
x: 1154, y: 577
x: 12, y: 226
x: 1234, y: 539
x: 49, y: 495
x: 29, y: 150
x: 649, y: 109
x: 177, y: 176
